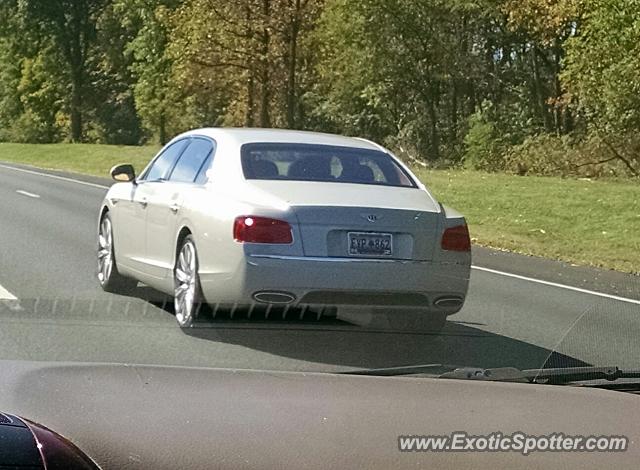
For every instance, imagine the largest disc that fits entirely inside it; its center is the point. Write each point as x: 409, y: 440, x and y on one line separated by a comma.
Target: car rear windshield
x: 307, y: 162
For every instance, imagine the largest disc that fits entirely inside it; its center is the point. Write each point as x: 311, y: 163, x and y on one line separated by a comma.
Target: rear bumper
x: 341, y: 281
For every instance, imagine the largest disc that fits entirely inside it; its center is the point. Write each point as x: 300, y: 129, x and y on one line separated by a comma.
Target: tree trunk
x: 435, y: 136
x: 265, y: 96
x: 250, y: 112
x: 162, y: 129
x: 292, y: 66
x: 559, y: 118
x: 539, y: 91
x: 470, y: 93
x: 76, y: 107
x: 74, y: 45
x: 454, y: 111
x: 77, y: 65
x: 251, y: 89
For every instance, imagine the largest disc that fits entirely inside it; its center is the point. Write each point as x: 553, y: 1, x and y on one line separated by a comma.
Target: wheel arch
x: 183, y: 233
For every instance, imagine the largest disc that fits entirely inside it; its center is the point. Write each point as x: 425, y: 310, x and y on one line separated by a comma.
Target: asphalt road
x: 521, y: 311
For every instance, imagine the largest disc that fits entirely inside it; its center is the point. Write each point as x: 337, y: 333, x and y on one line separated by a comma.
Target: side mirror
x: 123, y: 173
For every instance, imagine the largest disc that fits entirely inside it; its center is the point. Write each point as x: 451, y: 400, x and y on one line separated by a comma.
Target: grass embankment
x: 586, y: 222
x: 89, y: 159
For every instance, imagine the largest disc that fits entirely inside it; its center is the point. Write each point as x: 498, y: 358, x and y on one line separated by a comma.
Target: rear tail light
x: 456, y: 239
x: 250, y: 229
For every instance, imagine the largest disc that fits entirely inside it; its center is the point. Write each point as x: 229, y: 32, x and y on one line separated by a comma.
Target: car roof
x: 241, y: 136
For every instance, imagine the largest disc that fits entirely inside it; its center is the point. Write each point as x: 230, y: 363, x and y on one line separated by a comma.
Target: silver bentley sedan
x: 261, y: 217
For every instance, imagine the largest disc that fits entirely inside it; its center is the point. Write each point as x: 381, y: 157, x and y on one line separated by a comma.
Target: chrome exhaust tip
x: 448, y: 302
x: 277, y: 298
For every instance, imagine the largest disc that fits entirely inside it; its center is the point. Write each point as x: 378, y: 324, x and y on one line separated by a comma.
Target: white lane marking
x: 6, y: 295
x: 10, y: 300
x: 62, y: 178
x: 560, y: 286
x: 28, y: 194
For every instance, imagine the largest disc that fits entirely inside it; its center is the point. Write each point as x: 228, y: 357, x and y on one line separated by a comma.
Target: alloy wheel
x: 186, y: 285
x: 105, y: 251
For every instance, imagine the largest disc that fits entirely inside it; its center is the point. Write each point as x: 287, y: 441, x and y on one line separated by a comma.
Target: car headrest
x: 358, y: 174
x: 264, y: 169
x: 311, y: 169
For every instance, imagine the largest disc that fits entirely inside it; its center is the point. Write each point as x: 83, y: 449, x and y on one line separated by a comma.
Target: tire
x: 423, y: 322
x: 187, y: 296
x: 108, y: 276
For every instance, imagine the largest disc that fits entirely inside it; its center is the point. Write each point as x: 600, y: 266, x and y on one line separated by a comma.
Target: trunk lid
x: 329, y: 212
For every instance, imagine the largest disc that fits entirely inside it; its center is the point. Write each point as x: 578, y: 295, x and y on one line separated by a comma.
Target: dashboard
x: 151, y: 417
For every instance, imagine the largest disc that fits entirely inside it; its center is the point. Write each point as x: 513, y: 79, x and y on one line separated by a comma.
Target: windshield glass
x: 303, y: 162
x: 338, y: 185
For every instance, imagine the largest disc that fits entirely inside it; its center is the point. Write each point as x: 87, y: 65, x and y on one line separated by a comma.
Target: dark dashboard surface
x: 168, y: 417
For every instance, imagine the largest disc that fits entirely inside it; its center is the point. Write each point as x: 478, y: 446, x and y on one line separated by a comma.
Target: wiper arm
x: 556, y: 376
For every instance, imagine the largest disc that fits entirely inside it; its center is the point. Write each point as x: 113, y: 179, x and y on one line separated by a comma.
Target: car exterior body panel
x: 150, y: 217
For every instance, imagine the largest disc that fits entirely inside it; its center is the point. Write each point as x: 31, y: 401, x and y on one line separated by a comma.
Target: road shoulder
x: 561, y: 272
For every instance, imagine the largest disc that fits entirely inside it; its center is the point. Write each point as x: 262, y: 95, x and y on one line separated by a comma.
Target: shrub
x: 590, y: 156
x: 33, y: 129
x: 483, y: 148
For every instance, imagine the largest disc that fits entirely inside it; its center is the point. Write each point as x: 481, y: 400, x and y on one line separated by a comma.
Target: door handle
x: 143, y: 202
x: 174, y: 208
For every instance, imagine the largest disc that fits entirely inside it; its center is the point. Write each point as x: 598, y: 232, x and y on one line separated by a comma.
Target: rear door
x: 132, y: 211
x: 166, y: 203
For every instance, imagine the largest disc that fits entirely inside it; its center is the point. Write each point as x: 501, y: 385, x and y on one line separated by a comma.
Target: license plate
x: 370, y: 244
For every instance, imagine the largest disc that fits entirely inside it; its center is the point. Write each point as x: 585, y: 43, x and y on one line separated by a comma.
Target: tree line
x: 530, y: 86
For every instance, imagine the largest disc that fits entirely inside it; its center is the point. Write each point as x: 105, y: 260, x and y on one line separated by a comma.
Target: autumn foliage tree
x: 484, y: 83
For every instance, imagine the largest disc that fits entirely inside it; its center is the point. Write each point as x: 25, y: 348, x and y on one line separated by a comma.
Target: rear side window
x: 192, y: 161
x: 307, y: 162
x: 164, y: 162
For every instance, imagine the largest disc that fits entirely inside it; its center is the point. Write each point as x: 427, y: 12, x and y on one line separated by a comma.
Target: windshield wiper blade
x: 432, y: 369
x: 557, y: 376
x: 444, y: 371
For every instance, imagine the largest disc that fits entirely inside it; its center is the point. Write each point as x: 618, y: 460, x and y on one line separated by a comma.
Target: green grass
x: 585, y: 222
x: 88, y: 159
